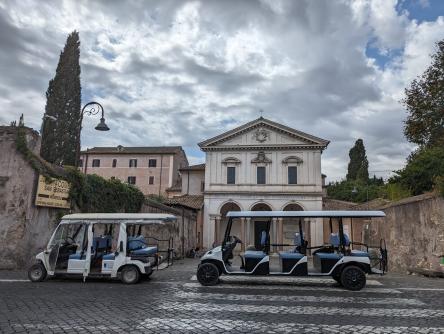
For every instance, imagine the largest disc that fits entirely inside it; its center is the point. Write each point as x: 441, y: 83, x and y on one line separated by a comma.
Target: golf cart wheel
x: 130, y: 275
x: 37, y: 272
x: 208, y: 274
x: 353, y: 278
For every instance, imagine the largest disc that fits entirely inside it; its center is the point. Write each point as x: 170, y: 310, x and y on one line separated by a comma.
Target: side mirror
x: 121, y: 246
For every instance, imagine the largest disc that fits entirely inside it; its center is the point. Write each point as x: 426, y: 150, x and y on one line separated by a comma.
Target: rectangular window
x: 231, y: 175
x: 151, y: 180
x: 96, y: 163
x: 133, y: 162
x: 114, y: 163
x: 152, y: 163
x: 202, y: 186
x: 260, y: 175
x: 292, y: 175
x: 131, y: 180
x: 81, y: 163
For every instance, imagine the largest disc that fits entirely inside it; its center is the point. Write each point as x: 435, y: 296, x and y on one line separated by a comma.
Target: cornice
x: 263, y: 123
x: 262, y: 147
x: 263, y: 193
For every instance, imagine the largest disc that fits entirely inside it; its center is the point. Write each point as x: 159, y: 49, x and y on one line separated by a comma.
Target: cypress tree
x: 358, y: 165
x: 61, y: 124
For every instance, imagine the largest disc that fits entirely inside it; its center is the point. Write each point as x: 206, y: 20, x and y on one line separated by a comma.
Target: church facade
x: 262, y: 165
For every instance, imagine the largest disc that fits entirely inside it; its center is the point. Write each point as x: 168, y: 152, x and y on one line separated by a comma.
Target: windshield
x: 68, y: 234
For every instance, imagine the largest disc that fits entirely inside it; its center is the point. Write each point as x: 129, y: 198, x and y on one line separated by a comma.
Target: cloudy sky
x: 178, y: 72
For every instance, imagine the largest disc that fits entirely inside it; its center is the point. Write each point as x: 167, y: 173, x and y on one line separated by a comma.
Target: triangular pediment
x: 263, y: 132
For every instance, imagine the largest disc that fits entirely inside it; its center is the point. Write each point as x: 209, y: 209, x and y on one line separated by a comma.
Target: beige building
x: 188, y: 193
x: 151, y: 169
x: 262, y: 165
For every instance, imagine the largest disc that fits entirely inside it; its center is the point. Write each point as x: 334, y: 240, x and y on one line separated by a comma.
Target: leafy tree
x: 61, y: 122
x: 424, y: 168
x: 425, y: 104
x: 353, y: 191
x: 358, y: 165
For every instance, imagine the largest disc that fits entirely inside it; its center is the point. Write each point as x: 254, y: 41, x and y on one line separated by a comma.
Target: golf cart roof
x: 306, y: 214
x: 139, y: 217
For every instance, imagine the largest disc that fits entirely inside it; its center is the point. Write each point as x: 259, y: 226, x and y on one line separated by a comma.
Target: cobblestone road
x: 172, y: 301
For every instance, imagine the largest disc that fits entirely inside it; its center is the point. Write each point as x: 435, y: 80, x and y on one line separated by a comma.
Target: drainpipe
x: 183, y: 232
x: 161, y: 169
x: 86, y: 160
x: 188, y: 182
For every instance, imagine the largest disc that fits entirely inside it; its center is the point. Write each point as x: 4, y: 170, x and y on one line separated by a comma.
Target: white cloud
x: 177, y: 72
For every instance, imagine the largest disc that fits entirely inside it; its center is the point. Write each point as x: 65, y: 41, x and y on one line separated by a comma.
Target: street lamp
x: 93, y: 109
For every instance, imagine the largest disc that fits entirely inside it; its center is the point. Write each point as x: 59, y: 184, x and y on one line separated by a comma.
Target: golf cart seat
x: 294, y: 254
x: 257, y: 254
x: 290, y: 258
x: 137, y: 242
x: 253, y: 257
x: 77, y: 256
x: 250, y: 254
x: 355, y: 252
x: 138, y: 247
x: 145, y: 251
x: 334, y: 240
x: 110, y: 256
x: 102, y: 242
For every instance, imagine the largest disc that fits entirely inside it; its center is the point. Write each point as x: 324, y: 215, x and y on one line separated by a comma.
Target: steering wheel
x: 68, y: 242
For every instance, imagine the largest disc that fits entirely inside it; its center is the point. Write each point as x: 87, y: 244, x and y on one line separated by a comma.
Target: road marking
x: 293, y: 280
x: 13, y: 280
x: 291, y: 287
x: 421, y: 289
x: 195, y: 324
x: 64, y: 327
x: 311, y: 299
x: 335, y: 311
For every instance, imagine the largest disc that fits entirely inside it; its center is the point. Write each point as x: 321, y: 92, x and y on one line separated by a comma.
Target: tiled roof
x: 135, y: 150
x: 194, y: 167
x: 189, y: 201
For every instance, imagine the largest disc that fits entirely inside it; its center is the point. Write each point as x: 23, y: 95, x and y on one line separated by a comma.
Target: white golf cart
x: 116, y: 245
x: 336, y: 259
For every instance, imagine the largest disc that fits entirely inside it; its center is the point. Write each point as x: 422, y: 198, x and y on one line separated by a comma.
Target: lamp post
x: 91, y: 109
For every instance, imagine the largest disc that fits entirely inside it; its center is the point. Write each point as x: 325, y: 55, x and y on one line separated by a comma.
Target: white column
x: 242, y: 237
x: 248, y: 232
x: 317, y: 232
x: 280, y: 233
x: 217, y: 233
x: 209, y: 231
x: 273, y: 234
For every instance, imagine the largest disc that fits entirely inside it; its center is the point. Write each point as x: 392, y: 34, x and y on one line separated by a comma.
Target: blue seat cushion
x: 109, y: 256
x: 146, y: 251
x: 359, y: 253
x: 102, y: 242
x: 291, y: 255
x: 137, y: 242
x: 330, y: 256
x: 254, y: 255
x: 76, y: 256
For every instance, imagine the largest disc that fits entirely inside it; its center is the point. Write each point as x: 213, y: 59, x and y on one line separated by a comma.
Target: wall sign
x: 52, y: 193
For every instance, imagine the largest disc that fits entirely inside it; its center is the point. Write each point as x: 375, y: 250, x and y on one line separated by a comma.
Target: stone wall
x: 24, y: 228
x: 414, y: 232
x: 183, y: 230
